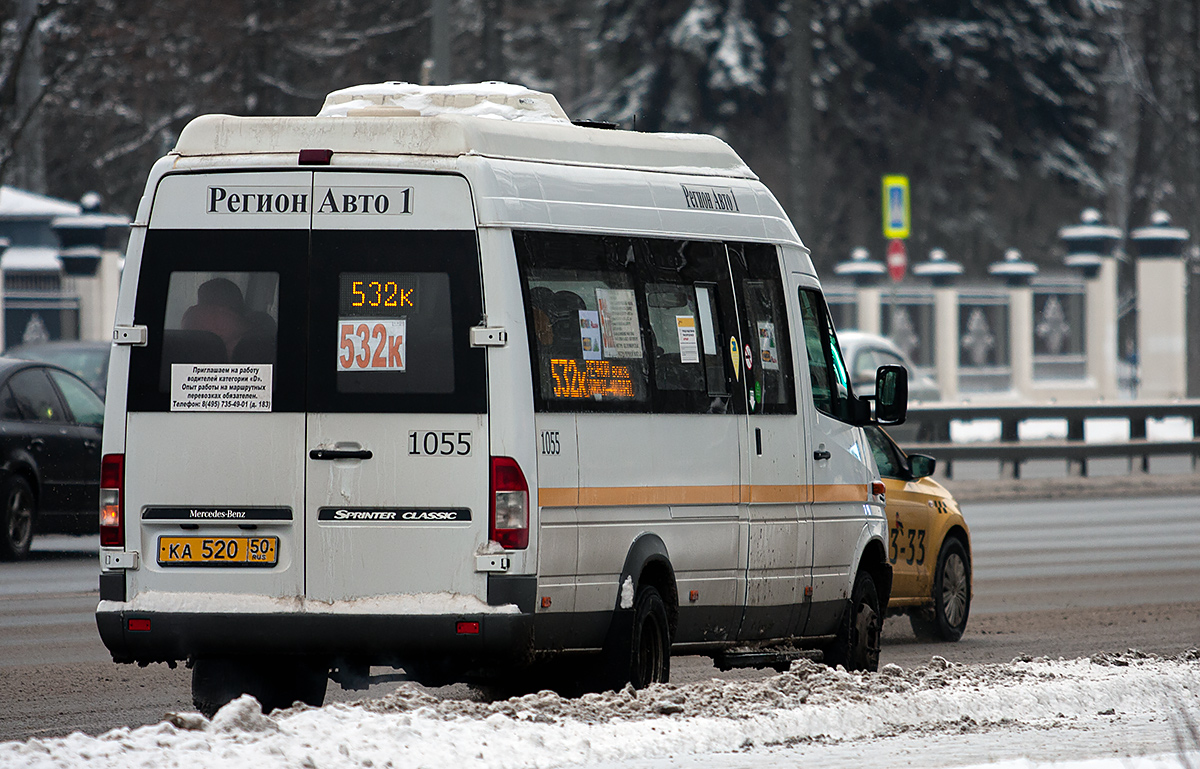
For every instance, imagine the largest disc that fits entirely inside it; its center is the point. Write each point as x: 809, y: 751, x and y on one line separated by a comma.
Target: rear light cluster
x: 112, y: 500
x: 510, y: 504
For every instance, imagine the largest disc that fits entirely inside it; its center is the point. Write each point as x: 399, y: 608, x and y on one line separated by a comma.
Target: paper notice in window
x: 589, y: 334
x: 221, y: 387
x: 768, y: 351
x: 372, y: 344
x: 689, y: 349
x: 619, y: 329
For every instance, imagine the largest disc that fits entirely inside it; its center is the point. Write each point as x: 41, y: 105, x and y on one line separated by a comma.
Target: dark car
x: 50, y: 424
x: 88, y: 360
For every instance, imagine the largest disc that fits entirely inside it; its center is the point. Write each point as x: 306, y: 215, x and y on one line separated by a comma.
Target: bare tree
x: 27, y: 77
x: 800, y: 116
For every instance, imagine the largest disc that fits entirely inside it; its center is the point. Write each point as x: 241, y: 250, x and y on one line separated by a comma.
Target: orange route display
x: 590, y: 378
x: 365, y: 294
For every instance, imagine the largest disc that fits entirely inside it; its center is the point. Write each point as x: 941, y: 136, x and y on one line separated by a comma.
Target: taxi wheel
x: 858, y: 637
x: 951, y: 596
x: 217, y: 681
x: 16, y: 518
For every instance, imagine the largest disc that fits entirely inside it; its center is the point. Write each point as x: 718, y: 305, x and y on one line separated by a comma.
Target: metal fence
x: 933, y: 434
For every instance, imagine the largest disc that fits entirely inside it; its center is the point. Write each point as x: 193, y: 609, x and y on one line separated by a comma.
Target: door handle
x: 820, y: 454
x: 340, y: 454
x: 37, y: 444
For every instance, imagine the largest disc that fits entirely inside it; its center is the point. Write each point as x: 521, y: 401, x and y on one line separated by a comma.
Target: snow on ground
x: 1090, y: 713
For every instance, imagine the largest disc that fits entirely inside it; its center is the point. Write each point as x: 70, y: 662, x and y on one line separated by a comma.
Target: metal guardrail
x: 933, y: 434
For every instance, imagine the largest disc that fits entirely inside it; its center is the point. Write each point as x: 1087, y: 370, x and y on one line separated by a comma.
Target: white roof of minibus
x: 487, y: 119
x: 520, y: 150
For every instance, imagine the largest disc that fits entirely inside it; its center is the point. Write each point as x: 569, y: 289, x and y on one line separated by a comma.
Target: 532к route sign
x: 896, y: 218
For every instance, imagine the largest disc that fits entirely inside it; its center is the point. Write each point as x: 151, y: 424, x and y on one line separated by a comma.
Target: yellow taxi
x: 929, y: 545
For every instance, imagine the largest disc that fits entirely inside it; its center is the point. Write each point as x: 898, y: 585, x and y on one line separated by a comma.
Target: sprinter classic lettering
x: 393, y: 515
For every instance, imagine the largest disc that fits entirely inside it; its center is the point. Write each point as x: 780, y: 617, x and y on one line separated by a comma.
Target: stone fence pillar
x: 1162, y: 308
x: 1091, y: 249
x: 90, y: 265
x: 942, y: 274
x: 1017, y: 274
x: 867, y: 275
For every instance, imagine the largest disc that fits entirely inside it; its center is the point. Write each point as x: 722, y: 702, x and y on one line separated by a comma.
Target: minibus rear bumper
x: 460, y: 640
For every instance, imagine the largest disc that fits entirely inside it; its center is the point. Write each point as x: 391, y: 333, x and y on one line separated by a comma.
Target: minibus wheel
x: 947, y: 620
x: 16, y: 518
x: 642, y: 653
x: 651, y: 659
x: 858, y: 637
x: 275, y: 683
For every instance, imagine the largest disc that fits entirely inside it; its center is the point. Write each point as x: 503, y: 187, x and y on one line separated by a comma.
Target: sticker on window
x: 589, y: 334
x: 619, y: 328
x: 767, y: 348
x: 372, y: 344
x: 689, y: 348
x: 221, y: 387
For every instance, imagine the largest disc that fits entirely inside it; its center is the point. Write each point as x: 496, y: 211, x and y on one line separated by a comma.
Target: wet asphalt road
x: 1052, y: 577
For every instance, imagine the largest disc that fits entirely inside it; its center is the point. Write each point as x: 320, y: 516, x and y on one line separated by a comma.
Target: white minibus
x: 441, y: 381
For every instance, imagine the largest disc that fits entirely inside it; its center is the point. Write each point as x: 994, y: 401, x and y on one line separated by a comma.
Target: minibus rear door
x: 215, y: 412
x: 397, y: 443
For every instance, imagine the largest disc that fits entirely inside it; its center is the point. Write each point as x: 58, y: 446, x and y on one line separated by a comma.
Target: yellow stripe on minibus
x: 621, y: 496
x: 629, y: 496
x: 841, y: 492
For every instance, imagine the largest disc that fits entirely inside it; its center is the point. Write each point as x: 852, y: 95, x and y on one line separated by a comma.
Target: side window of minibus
x: 826, y: 369
x: 683, y: 281
x: 766, y: 344
x: 585, y: 321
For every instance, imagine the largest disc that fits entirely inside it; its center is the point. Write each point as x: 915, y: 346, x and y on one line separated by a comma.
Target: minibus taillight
x: 510, y: 504
x: 112, y: 502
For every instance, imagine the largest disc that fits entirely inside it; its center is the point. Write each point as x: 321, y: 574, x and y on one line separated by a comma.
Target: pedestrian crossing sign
x: 896, y: 216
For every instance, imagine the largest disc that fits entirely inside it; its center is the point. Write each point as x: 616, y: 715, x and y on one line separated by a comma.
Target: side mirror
x: 921, y: 466
x: 891, y: 395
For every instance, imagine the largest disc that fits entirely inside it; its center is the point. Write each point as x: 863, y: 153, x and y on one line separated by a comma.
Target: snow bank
x: 500, y: 101
x: 665, y: 725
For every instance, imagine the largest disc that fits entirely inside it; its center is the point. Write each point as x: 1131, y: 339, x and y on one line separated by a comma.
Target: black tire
x: 17, y: 511
x: 947, y: 619
x: 858, y: 637
x: 642, y: 654
x: 275, y: 683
